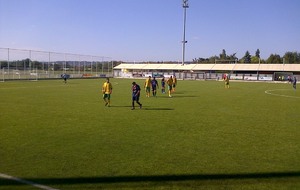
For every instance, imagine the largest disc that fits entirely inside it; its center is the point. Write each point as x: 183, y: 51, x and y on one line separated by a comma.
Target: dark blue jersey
x: 154, y: 83
x: 136, y: 90
x: 163, y: 82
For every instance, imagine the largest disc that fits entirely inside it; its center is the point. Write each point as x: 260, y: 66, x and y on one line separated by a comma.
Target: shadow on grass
x: 116, y: 106
x: 144, y: 107
x: 154, y: 178
x: 166, y: 109
x: 177, y: 96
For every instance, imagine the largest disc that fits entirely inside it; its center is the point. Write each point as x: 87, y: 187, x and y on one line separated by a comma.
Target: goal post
x: 283, y: 76
x: 33, y: 75
x: 2, y: 75
x: 191, y: 75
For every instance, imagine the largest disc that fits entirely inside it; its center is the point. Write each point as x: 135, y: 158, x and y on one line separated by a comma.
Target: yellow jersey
x: 107, y: 88
x: 148, y: 82
x: 170, y: 81
x: 174, y: 80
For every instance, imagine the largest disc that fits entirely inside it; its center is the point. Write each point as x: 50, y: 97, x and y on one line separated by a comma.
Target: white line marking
x: 274, y: 94
x: 26, y: 87
x: 26, y: 182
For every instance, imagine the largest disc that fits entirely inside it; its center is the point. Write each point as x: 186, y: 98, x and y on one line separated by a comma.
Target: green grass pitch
x: 204, y: 137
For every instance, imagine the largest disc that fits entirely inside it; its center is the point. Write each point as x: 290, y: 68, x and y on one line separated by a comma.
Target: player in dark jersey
x: 295, y: 83
x: 163, y: 85
x: 154, y: 85
x: 136, y: 91
x: 65, y: 77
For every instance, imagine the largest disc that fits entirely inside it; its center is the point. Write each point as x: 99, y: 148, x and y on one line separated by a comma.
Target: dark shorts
x: 153, y: 88
x: 106, y: 96
x: 148, y: 89
x: 135, y: 98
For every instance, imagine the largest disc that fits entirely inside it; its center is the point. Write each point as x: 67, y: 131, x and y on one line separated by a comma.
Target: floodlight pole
x: 184, y: 5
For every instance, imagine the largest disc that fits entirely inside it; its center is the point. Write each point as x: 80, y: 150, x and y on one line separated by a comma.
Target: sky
x: 151, y: 30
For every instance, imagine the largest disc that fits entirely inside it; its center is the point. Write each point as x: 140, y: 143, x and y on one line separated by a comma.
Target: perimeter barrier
x: 23, y: 64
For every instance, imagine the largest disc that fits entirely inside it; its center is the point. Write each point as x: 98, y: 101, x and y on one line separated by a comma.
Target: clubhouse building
x: 254, y: 72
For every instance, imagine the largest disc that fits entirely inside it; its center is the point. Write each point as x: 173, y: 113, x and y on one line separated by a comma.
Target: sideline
x: 271, y: 92
x: 39, y: 86
x: 26, y: 182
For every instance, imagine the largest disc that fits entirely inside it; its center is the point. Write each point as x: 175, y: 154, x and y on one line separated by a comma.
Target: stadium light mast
x: 185, y: 5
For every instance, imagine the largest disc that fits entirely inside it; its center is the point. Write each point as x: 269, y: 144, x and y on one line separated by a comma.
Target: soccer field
x: 204, y: 137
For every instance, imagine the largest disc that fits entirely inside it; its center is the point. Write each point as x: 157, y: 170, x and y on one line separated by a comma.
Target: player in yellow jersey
x: 147, y: 86
x: 174, y: 83
x: 170, y: 85
x: 226, y: 79
x: 106, y: 91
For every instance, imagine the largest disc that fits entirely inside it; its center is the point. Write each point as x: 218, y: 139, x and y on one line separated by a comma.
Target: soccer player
x: 226, y: 79
x: 174, y: 83
x: 65, y: 77
x: 136, y: 91
x: 147, y: 86
x: 163, y: 85
x: 170, y: 85
x: 295, y: 83
x: 290, y: 79
x: 154, y: 85
x: 106, y: 91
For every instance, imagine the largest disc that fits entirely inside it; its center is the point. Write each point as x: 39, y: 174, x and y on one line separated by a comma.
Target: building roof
x: 211, y: 67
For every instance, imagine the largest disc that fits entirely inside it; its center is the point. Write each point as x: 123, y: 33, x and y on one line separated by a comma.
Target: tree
x: 257, y: 53
x: 201, y: 60
x: 247, y: 57
x: 213, y: 59
x: 232, y: 57
x: 3, y: 64
x: 255, y: 59
x: 274, y: 58
x: 291, y: 57
x: 223, y: 55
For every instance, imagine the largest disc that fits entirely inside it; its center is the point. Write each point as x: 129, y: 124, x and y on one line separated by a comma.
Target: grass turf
x: 205, y: 136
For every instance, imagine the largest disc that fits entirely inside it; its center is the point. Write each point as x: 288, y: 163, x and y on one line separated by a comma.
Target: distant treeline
x: 289, y: 57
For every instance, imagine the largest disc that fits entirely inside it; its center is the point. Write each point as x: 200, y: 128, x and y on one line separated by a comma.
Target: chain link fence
x: 34, y: 65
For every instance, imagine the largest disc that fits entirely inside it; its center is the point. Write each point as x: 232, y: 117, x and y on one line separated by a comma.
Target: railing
x: 34, y: 65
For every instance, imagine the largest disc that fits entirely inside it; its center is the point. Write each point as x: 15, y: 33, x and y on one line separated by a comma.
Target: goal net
x: 282, y: 76
x: 2, y: 75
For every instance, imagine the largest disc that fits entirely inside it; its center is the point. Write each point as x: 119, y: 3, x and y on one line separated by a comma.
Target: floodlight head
x: 185, y: 4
